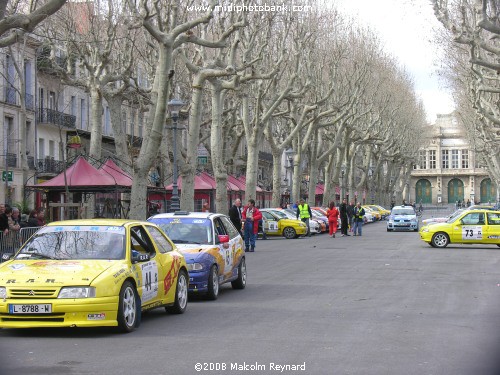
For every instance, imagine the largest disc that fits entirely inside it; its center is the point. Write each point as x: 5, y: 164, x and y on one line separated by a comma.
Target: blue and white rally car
x: 212, y: 247
x: 402, y: 218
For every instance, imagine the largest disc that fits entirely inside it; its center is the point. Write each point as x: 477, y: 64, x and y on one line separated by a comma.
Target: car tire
x: 289, y: 233
x: 241, y: 281
x: 498, y: 245
x: 128, y: 314
x: 389, y: 230
x: 213, y: 283
x: 440, y: 240
x: 181, y: 295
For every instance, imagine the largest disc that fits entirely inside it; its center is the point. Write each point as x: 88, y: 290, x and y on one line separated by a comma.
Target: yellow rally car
x: 469, y: 227
x: 278, y: 223
x: 83, y: 273
x: 383, y: 212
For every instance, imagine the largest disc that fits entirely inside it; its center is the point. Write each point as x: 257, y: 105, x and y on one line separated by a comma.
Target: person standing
x: 350, y: 213
x: 359, y: 212
x: 344, y: 223
x: 333, y: 216
x: 251, y: 216
x: 304, y: 212
x: 235, y: 214
x: 4, y: 221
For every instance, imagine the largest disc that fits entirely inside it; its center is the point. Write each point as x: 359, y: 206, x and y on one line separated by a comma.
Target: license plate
x: 31, y: 309
x: 403, y: 225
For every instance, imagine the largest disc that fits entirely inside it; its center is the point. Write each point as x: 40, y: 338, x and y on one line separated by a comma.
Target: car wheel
x: 127, y: 308
x: 181, y: 295
x: 498, y: 245
x: 289, y: 233
x: 241, y: 281
x: 213, y: 283
x: 389, y: 230
x: 431, y: 244
x: 440, y: 239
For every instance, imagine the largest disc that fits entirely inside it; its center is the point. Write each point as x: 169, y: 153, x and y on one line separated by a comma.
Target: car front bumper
x: 410, y: 227
x: 91, y: 312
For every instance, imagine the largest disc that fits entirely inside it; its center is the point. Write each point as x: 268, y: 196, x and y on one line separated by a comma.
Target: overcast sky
x: 406, y: 30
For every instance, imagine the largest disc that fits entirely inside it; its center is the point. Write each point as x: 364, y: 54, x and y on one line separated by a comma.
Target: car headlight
x: 303, y: 224
x: 77, y: 292
x: 3, y: 292
x: 194, y: 266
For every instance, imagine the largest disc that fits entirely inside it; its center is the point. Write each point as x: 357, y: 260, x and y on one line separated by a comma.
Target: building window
x: 52, y: 149
x: 83, y: 114
x: 444, y: 159
x: 454, y: 159
x: 73, y: 106
x: 432, y: 159
x: 41, y: 148
x: 422, y: 159
x: 465, y: 159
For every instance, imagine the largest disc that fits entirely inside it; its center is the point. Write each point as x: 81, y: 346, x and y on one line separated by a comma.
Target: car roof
x: 97, y: 222
x: 403, y: 206
x: 194, y: 215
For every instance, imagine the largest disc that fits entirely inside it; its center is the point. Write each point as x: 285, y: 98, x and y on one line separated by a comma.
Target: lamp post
x: 289, y: 156
x: 370, y: 178
x: 174, y: 107
x: 342, y: 171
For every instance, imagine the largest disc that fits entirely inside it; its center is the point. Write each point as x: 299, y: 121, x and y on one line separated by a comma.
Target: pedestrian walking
x: 344, y: 222
x: 235, y: 215
x: 359, y: 212
x: 350, y: 213
x: 333, y: 216
x: 251, y: 216
x: 305, y: 214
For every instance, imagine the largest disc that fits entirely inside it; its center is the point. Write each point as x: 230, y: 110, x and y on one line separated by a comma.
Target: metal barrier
x: 11, y: 242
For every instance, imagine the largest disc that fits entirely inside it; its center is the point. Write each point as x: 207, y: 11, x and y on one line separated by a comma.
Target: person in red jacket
x: 251, y: 216
x: 333, y: 218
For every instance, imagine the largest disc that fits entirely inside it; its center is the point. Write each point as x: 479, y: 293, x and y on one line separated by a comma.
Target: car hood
x: 55, y: 272
x: 192, y: 251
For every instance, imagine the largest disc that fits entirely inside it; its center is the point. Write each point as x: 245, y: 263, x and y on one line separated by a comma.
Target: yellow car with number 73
x: 89, y: 273
x: 469, y: 227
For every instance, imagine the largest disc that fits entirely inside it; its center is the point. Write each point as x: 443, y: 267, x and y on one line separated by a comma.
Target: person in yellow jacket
x: 304, y: 212
x: 359, y: 212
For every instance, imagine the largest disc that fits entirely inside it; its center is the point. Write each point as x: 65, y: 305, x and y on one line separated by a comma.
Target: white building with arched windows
x: 448, y: 171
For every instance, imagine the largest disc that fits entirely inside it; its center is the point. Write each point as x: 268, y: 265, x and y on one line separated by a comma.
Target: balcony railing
x: 49, y: 165
x: 11, y: 160
x: 51, y: 116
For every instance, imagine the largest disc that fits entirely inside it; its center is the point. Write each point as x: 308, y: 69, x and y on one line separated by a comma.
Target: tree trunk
x: 276, y: 199
x: 119, y: 133
x: 216, y: 144
x: 95, y: 122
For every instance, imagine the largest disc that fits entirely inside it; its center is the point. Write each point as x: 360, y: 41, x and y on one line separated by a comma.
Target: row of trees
x: 472, y: 37
x: 309, y: 79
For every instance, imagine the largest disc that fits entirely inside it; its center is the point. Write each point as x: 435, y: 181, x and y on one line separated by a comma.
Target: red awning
x: 199, y: 184
x: 121, y: 177
x: 243, y: 180
x: 80, y: 175
x: 320, y: 189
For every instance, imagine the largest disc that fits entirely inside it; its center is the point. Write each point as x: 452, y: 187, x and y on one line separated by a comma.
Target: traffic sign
x: 10, y: 175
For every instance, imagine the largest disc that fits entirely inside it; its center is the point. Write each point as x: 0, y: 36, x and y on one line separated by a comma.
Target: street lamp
x: 342, y: 171
x: 174, y: 107
x: 289, y: 156
x: 370, y: 178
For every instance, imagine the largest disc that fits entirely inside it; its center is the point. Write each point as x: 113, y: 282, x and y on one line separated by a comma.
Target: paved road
x: 384, y: 303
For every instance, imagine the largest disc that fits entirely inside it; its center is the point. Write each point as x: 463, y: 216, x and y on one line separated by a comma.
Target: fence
x: 11, y: 242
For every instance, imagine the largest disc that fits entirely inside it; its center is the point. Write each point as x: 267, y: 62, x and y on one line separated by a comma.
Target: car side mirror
x: 140, y: 257
x: 7, y: 256
x: 223, y: 238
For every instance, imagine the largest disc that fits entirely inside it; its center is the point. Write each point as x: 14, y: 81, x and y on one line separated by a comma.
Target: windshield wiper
x: 42, y: 256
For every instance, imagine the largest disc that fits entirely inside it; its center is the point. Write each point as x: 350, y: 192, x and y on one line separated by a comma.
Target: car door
x: 492, y: 230
x: 270, y: 223
x: 226, y: 257
x: 469, y: 228
x: 169, y: 263
x: 147, y: 273
x: 235, y: 248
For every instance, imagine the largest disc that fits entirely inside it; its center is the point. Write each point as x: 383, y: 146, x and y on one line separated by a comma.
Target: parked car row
x: 106, y: 272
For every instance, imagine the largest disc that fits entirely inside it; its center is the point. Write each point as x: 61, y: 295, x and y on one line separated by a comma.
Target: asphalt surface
x: 383, y: 303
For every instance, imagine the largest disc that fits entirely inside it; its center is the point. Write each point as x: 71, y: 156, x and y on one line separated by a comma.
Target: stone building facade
x: 448, y: 170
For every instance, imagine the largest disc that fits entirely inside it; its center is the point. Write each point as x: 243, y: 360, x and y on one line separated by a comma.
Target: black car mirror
x: 139, y: 258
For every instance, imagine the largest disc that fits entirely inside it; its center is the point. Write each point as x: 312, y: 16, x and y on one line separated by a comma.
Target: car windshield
x: 454, y: 215
x: 403, y: 211
x: 75, y: 242
x: 184, y: 230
